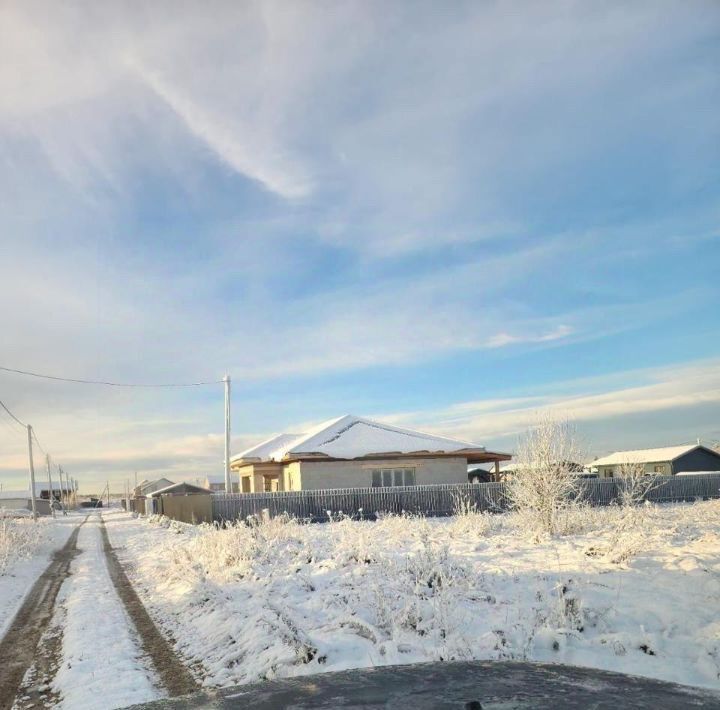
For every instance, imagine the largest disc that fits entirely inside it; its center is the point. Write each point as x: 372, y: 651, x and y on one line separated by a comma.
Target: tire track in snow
x: 19, y: 645
x: 102, y: 663
x: 173, y: 674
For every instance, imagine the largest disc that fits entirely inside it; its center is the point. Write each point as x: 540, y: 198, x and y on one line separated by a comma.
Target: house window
x: 660, y: 469
x: 609, y: 473
x: 391, y: 477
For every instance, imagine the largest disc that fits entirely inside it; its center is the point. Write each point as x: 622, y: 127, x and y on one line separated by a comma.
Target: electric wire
x: 107, y: 383
x: 4, y: 406
x: 37, y: 441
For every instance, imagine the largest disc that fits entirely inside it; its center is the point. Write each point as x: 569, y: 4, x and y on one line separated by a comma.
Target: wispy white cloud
x: 246, y: 147
x: 652, y: 390
x: 500, y: 340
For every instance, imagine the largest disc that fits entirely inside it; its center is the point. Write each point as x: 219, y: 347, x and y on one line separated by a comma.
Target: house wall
x: 314, y: 475
x: 665, y: 466
x: 292, y: 477
x: 252, y: 476
x: 15, y: 503
x: 697, y: 460
x: 42, y: 507
x: 195, y: 508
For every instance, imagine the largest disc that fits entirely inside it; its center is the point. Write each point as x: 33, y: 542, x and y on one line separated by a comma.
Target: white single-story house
x: 15, y: 500
x: 665, y: 461
x: 352, y: 452
x: 21, y: 500
x: 509, y: 469
x: 216, y: 484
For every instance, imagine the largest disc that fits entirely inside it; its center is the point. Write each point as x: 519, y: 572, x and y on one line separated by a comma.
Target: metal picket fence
x: 436, y: 500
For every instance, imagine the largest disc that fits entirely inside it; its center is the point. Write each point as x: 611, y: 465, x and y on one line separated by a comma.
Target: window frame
x: 395, y: 477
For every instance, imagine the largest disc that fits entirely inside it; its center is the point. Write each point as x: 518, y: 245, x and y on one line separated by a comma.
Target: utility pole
x: 32, y: 472
x: 108, y: 490
x: 50, y: 496
x: 228, y: 484
x: 63, y: 488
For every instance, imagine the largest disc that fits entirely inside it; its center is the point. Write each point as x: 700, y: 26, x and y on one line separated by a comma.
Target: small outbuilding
x: 182, y: 501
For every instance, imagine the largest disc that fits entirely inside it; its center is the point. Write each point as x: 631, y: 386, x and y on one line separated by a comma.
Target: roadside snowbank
x: 25, y: 551
x: 635, y: 591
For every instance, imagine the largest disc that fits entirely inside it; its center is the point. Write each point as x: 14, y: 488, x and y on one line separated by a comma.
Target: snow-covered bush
x: 19, y: 538
x: 273, y: 598
x: 545, y: 484
x: 468, y: 521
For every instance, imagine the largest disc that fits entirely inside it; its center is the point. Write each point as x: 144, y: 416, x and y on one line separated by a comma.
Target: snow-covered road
x: 93, y: 652
x: 101, y: 665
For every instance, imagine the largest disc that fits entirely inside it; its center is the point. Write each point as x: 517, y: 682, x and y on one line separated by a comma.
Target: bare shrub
x: 19, y: 538
x: 468, y: 519
x: 635, y: 484
x: 545, y: 483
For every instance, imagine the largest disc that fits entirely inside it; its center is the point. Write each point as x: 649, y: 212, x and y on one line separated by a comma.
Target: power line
x: 2, y: 404
x: 107, y: 384
x: 37, y: 441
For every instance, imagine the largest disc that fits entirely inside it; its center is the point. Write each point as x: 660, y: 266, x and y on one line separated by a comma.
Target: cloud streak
x: 661, y: 389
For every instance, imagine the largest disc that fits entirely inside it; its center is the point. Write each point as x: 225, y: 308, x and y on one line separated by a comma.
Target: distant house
x: 145, y: 488
x: 180, y: 489
x: 352, y: 452
x: 20, y: 500
x: 42, y: 490
x: 216, y: 484
x: 142, y: 492
x: 665, y: 461
x: 15, y: 500
x: 515, y: 466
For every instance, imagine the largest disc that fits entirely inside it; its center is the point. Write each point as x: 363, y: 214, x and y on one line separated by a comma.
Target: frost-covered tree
x: 635, y: 483
x: 546, y: 482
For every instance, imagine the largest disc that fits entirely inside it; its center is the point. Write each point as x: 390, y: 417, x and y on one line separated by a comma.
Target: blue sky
x: 446, y: 215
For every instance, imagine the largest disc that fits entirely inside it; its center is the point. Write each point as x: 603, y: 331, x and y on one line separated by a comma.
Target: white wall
x: 314, y: 475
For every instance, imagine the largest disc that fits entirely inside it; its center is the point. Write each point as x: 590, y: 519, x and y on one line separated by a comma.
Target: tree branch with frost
x: 546, y: 483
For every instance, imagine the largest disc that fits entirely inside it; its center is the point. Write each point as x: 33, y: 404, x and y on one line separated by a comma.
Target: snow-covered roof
x: 45, y: 487
x: 350, y: 437
x: 264, y: 450
x: 150, y: 486
x: 666, y: 453
x: 183, y: 485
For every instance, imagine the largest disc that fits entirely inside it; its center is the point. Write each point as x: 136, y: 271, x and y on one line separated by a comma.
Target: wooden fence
x: 437, y: 500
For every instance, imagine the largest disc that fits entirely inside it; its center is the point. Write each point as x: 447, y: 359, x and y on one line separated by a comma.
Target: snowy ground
x: 30, y: 547
x: 633, y: 591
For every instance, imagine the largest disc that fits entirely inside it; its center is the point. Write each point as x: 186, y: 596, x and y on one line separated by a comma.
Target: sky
x: 447, y: 216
